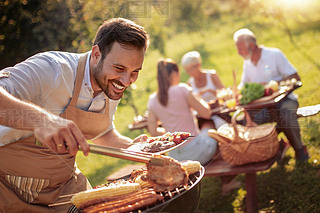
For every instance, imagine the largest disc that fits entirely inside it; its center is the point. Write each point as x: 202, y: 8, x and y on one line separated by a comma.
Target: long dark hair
x: 120, y: 30
x: 165, y: 68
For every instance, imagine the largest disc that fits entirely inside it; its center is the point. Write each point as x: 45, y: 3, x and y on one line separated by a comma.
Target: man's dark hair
x: 123, y: 31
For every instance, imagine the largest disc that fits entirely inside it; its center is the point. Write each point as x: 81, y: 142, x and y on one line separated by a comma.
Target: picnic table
x: 219, y: 167
x: 263, y: 102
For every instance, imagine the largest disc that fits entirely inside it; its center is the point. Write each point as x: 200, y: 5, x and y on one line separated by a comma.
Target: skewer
x: 59, y: 204
x: 63, y: 196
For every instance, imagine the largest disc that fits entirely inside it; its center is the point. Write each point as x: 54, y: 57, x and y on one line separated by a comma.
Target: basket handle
x: 214, y: 134
x: 250, y: 123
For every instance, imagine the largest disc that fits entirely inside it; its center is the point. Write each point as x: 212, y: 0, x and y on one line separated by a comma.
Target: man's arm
x: 114, y: 139
x: 48, y: 128
x: 296, y: 76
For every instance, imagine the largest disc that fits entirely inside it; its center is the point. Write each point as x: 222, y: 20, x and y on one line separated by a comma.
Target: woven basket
x: 246, y: 144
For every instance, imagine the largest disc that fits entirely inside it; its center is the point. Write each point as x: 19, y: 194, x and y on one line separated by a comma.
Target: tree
x: 28, y: 27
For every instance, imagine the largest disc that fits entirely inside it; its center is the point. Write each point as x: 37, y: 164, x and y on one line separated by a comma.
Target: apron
x: 32, y: 176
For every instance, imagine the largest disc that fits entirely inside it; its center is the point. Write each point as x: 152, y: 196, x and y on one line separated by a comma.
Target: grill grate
x: 169, y: 196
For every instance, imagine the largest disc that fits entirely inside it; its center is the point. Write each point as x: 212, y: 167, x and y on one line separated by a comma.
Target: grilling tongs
x: 127, y: 154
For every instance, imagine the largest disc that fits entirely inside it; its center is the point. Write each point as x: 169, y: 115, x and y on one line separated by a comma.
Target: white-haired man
x: 261, y: 65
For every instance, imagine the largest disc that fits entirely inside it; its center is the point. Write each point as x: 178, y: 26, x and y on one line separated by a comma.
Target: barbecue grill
x: 182, y: 199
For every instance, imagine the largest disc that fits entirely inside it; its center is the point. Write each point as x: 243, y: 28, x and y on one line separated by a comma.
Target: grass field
x: 284, y: 188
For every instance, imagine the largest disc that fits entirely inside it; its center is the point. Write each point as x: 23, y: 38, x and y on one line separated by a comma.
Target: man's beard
x: 97, y: 74
x: 249, y: 55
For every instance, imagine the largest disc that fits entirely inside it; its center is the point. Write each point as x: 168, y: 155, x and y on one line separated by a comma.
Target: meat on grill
x: 167, y: 177
x: 126, y: 203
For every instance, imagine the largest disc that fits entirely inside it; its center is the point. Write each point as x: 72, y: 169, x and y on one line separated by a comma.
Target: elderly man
x: 261, y: 65
x: 51, y: 103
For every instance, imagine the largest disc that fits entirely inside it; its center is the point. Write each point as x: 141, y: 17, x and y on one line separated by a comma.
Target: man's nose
x: 125, y: 79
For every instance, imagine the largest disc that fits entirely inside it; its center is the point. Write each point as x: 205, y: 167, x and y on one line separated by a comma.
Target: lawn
x: 286, y: 187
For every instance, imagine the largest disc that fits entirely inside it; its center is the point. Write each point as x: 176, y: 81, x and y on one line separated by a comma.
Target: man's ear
x: 95, y: 54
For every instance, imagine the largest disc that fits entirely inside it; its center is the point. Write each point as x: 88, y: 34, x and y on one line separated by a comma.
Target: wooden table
x: 264, y: 102
x: 219, y: 167
x: 223, y: 111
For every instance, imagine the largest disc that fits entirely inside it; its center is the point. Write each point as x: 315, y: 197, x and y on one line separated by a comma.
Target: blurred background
x: 176, y: 27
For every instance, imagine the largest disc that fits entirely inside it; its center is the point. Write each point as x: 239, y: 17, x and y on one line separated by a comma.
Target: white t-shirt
x: 47, y: 80
x: 207, y: 96
x: 177, y: 115
x: 272, y: 65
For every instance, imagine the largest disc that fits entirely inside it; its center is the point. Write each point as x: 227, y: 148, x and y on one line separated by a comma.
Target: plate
x: 281, y: 91
x: 137, y: 147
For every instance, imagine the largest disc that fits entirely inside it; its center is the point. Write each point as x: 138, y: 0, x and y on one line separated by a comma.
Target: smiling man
x: 51, y: 104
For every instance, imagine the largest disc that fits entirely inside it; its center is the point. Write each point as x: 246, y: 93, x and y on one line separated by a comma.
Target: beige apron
x: 33, y: 176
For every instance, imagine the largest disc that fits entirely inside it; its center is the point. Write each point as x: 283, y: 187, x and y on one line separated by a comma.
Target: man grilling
x: 51, y: 104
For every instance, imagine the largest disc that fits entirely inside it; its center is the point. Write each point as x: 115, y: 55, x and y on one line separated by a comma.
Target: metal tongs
x: 127, y: 154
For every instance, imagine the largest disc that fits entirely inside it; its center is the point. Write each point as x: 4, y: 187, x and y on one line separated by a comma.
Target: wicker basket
x: 246, y: 144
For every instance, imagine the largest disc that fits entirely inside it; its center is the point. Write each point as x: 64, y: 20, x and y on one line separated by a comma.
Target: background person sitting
x: 172, y: 104
x: 261, y: 65
x: 203, y: 82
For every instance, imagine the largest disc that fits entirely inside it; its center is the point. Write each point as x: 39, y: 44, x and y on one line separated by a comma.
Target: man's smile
x: 117, y: 86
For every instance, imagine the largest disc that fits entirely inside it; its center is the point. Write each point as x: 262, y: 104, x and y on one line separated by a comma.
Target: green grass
x: 283, y: 188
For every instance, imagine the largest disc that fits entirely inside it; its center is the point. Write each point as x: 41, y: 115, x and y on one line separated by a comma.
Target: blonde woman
x: 204, y: 82
x: 172, y: 104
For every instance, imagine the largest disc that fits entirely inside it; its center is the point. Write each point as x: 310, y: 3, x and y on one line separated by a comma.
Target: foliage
x: 158, y: 35
x: 28, y: 27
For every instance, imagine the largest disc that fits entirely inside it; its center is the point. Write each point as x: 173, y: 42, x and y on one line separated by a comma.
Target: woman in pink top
x: 172, y: 106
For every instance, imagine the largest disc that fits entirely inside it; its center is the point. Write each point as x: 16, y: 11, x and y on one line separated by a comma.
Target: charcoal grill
x: 183, y: 199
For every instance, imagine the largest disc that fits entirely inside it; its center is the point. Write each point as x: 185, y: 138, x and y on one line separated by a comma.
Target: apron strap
x: 79, y: 79
x: 78, y: 83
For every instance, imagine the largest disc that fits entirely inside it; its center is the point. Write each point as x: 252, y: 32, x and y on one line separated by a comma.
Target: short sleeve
x: 33, y: 77
x: 185, y: 89
x: 284, y: 66
x: 151, y: 101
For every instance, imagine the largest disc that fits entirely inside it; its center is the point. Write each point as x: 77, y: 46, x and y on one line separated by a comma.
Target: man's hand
x: 141, y: 138
x: 61, y: 135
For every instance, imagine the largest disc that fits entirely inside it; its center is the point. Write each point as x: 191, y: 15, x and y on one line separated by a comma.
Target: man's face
x: 244, y: 50
x: 118, y: 70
